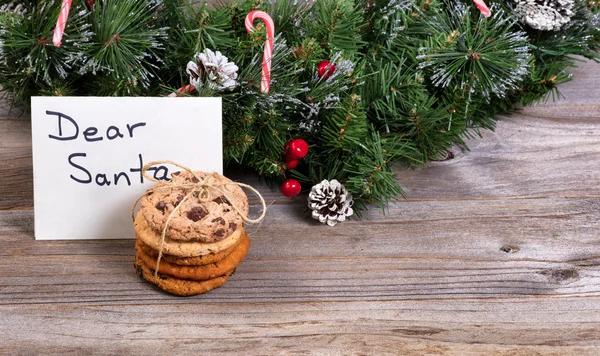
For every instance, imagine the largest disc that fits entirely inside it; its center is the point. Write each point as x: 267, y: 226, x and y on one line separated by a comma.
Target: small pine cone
x: 545, y: 15
x: 214, y: 68
x: 15, y: 8
x: 330, y: 202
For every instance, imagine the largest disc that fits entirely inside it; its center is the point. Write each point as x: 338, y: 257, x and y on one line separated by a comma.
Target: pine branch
x: 32, y: 65
x: 337, y: 25
x: 475, y: 54
x: 411, y: 77
x: 127, y: 46
x: 370, y: 177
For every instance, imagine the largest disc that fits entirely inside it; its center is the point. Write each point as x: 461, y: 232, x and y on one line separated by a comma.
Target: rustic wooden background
x: 497, y: 252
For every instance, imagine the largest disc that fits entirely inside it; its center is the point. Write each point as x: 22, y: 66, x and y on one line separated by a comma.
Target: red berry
x: 289, y: 157
x: 298, y: 52
x: 297, y: 148
x: 290, y: 188
x: 325, y: 69
x: 291, y: 163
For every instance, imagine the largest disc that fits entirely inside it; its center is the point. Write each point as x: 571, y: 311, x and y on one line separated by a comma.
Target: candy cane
x: 61, y: 22
x: 268, y: 54
x: 485, y: 11
x: 186, y: 89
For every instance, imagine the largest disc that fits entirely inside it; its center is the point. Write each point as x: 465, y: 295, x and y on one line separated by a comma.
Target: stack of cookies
x: 205, y: 238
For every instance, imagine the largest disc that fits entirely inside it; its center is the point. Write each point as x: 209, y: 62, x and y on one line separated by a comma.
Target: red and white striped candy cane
x: 485, y: 11
x: 61, y: 22
x: 265, y: 84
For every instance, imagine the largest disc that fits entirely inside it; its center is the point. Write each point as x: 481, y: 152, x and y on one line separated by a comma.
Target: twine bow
x: 201, y: 189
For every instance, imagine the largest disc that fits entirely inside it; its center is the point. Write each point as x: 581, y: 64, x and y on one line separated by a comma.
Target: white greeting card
x: 88, y: 153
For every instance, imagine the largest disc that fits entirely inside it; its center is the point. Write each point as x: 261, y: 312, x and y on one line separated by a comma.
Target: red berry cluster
x: 295, y: 150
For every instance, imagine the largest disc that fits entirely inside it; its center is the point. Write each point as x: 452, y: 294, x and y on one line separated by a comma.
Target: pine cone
x: 14, y: 7
x: 330, y: 202
x: 545, y: 15
x: 214, y: 68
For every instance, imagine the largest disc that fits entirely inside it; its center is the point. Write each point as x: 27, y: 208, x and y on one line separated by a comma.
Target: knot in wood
x: 561, y: 275
x: 509, y: 249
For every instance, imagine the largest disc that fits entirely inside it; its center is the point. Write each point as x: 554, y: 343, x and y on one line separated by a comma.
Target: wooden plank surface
x: 497, y: 252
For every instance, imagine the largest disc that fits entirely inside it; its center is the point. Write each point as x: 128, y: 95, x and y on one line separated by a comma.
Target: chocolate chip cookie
x: 177, y: 286
x: 185, y: 261
x: 199, y: 273
x: 197, y: 219
x: 152, y: 238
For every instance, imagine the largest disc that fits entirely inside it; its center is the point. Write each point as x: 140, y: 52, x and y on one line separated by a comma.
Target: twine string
x: 203, y: 187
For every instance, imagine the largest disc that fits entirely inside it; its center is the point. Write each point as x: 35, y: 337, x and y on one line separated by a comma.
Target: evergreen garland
x: 411, y: 78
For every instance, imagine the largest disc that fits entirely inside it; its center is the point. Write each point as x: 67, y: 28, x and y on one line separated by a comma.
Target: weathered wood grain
x: 496, y: 252
x: 582, y: 91
x: 517, y: 248
x: 374, y: 328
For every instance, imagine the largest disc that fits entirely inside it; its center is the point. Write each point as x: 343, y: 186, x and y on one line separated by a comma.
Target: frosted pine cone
x: 330, y: 202
x: 545, y: 15
x: 213, y: 68
x: 14, y: 7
